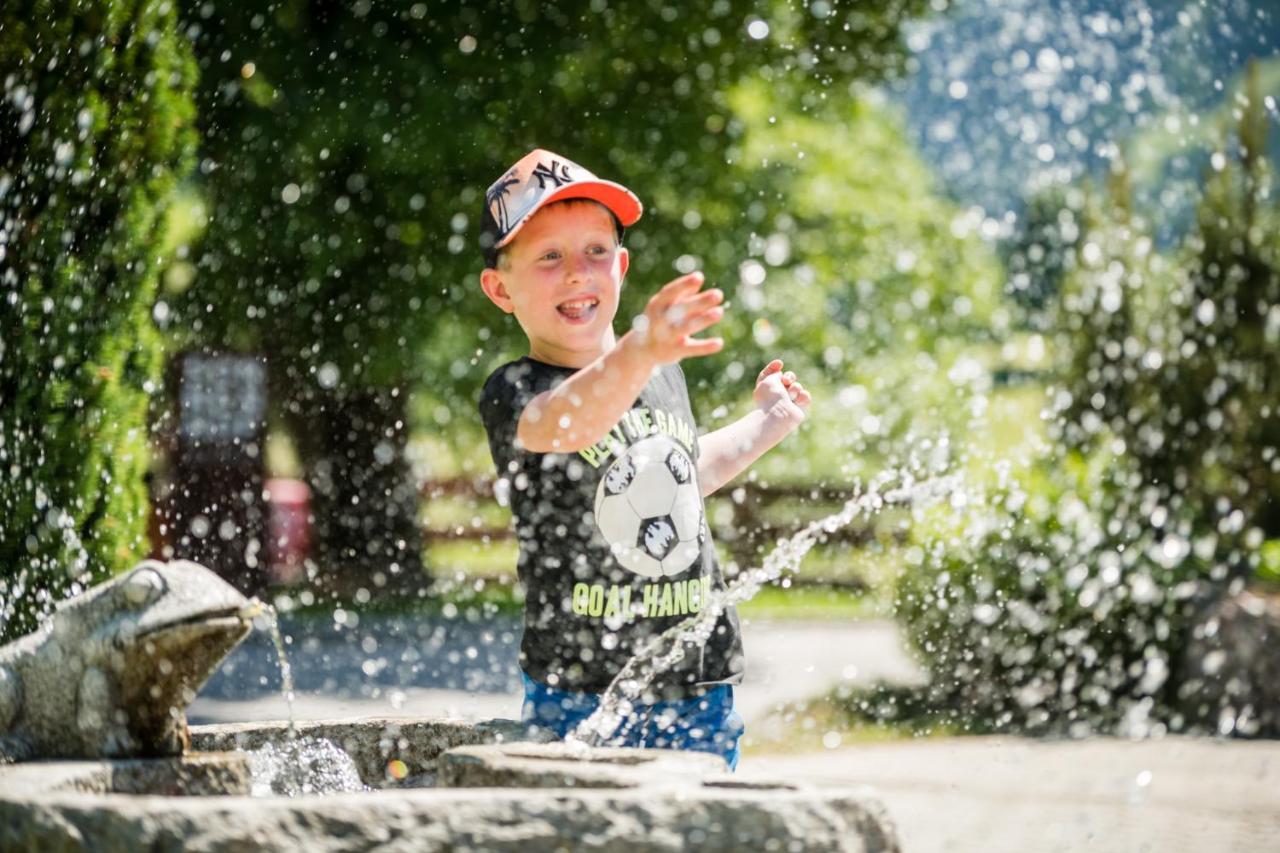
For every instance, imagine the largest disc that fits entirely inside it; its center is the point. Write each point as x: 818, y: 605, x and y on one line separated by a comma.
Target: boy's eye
x: 551, y: 256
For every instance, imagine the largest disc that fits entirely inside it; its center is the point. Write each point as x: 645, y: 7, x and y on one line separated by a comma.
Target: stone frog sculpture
x: 111, y: 673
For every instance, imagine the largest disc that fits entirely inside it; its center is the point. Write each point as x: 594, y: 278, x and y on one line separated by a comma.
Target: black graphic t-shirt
x: 614, y: 544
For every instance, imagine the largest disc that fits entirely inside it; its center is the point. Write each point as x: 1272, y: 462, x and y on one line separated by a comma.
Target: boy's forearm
x: 582, y: 409
x: 727, y: 452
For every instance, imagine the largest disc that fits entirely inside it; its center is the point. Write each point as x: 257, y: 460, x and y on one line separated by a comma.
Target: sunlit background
x: 1025, y: 254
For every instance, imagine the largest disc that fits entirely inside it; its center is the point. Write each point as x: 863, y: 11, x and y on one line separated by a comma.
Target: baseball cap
x: 537, y: 179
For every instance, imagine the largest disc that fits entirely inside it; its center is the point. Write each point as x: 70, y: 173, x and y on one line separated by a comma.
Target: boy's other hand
x: 674, y: 315
x: 780, y: 393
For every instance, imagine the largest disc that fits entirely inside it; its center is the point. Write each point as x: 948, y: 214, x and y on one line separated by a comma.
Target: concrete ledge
x: 569, y: 798
x: 194, y: 775
x: 561, y: 765
x: 440, y: 820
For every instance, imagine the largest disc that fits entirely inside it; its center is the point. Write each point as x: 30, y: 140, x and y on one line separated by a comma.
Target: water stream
x: 286, y: 672
x: 669, y: 647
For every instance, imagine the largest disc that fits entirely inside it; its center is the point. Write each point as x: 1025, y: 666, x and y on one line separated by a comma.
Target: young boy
x: 595, y: 444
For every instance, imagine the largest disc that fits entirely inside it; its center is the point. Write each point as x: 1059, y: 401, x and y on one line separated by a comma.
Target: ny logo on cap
x: 546, y: 173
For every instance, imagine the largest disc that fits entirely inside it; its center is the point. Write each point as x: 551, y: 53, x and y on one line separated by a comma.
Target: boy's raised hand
x: 675, y: 314
x: 781, y: 391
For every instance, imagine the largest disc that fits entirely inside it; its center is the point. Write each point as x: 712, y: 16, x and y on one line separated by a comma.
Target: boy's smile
x: 561, y: 276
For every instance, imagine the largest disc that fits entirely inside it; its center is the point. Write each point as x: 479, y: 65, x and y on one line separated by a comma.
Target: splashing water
x: 669, y: 647
x: 302, y: 766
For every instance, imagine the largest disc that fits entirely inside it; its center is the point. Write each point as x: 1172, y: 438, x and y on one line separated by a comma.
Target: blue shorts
x: 706, y: 723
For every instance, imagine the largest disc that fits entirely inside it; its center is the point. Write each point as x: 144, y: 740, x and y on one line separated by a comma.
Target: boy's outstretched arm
x: 781, y: 405
x: 583, y: 408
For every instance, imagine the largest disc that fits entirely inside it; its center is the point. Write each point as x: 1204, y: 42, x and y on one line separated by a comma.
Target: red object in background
x: 289, y: 523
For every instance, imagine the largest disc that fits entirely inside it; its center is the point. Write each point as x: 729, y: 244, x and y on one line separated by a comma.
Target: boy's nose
x: 577, y: 267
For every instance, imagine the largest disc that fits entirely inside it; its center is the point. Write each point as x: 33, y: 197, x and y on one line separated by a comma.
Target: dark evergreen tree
x: 96, y: 124
x: 1178, y: 357
x: 1225, y: 378
x: 1043, y: 251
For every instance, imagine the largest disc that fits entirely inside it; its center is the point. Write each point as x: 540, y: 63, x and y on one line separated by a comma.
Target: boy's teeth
x: 578, y: 307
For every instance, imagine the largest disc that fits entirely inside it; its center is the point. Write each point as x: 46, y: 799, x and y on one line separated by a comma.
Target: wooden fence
x: 752, y: 524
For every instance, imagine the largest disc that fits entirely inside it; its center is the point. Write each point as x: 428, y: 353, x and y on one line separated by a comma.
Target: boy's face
x: 561, y: 276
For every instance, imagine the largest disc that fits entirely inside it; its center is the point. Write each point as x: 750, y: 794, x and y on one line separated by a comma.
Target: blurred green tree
x: 861, y: 275
x: 98, y: 118
x: 346, y: 153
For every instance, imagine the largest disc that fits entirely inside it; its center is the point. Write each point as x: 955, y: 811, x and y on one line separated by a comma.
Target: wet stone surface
x: 373, y: 743
x: 303, y: 766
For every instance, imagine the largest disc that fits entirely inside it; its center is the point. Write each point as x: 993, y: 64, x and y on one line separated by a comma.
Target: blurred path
x: 787, y: 662
x: 790, y: 662
x: 1010, y: 795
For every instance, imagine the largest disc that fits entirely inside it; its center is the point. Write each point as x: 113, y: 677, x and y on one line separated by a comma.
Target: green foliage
x: 873, y: 258
x: 1269, y: 564
x: 1068, y: 606
x: 1056, y: 610
x: 100, y: 96
x: 862, y: 277
x: 1178, y: 358
x: 1044, y: 250
x: 389, y: 121
x: 346, y: 154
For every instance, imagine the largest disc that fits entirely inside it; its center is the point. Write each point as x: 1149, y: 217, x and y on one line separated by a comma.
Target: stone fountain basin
x: 375, y: 742
x: 487, y: 786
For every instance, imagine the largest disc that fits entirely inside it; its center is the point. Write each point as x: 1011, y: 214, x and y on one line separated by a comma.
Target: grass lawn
x: 810, y: 603
x: 849, y: 715
x: 466, y: 571
x: 817, y: 726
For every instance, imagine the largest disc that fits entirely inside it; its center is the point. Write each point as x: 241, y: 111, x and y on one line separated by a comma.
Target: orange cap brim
x: 621, y: 201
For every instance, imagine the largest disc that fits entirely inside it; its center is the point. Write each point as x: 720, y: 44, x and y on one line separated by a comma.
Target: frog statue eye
x: 143, y: 587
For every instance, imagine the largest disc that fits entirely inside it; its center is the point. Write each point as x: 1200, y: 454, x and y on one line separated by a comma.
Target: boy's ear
x: 624, y: 263
x: 496, y: 289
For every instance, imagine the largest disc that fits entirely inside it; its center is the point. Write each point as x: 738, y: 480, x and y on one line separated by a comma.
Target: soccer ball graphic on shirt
x: 649, y: 510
